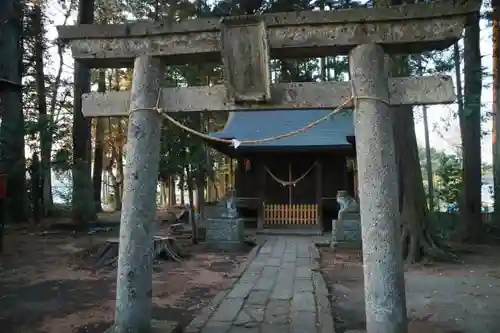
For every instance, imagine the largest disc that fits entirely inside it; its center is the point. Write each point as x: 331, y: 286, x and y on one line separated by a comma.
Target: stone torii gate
x: 245, y: 44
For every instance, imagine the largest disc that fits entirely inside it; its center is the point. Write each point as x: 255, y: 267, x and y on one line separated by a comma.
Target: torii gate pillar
x: 385, y: 301
x: 135, y: 259
x: 246, y: 49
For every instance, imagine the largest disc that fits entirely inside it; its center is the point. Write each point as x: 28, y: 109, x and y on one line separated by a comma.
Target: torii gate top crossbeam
x: 401, y: 29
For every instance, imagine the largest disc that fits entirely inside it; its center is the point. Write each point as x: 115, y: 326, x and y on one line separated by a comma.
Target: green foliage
x: 449, y: 177
x: 181, y: 149
x: 423, y: 160
x: 58, y: 90
x: 62, y: 160
x: 63, y: 191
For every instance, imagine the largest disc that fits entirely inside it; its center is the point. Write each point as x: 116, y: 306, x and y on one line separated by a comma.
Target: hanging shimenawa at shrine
x: 291, y: 182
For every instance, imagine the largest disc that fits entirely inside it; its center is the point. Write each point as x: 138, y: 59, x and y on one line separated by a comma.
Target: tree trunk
x: 200, y: 168
x: 428, y: 162
x: 172, y: 200
x: 47, y: 185
x: 113, y: 171
x: 324, y: 69
x: 192, y: 219
x: 83, y: 206
x: 105, y: 188
x: 164, y: 193
x: 495, y: 4
x: 43, y: 119
x: 216, y: 191
x: 471, y: 225
x: 182, y: 185
x: 98, y: 149
x: 417, y: 238
x: 324, y: 60
x: 115, y: 179
x: 112, y: 183
x: 200, y: 191
x: 35, y: 188
x: 119, y: 168
x: 12, y: 127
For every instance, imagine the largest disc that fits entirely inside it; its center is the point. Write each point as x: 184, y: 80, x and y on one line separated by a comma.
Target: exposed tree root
x: 166, y: 248
x: 422, y: 244
x: 418, y: 240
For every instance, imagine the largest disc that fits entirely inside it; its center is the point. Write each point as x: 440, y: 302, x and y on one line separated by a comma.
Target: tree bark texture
x: 98, y: 149
x: 471, y: 225
x: 13, y: 162
x: 172, y: 200
x: 192, y: 218
x: 417, y: 238
x: 496, y: 112
x: 83, y: 207
x: 44, y: 122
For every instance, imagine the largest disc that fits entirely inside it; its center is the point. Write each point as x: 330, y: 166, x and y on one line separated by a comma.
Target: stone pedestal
x: 347, y: 232
x: 352, y: 228
x: 337, y: 233
x: 225, y: 232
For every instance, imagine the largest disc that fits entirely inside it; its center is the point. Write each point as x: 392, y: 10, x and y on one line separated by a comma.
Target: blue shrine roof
x: 252, y: 125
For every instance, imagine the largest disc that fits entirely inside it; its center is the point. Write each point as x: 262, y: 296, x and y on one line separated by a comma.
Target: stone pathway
x: 281, y: 290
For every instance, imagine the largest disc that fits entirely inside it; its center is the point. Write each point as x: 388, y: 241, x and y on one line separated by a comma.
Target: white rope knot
x: 235, y: 143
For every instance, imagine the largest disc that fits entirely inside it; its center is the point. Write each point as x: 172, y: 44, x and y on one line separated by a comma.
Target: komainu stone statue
x: 347, y: 205
x: 225, y: 230
x: 230, y: 201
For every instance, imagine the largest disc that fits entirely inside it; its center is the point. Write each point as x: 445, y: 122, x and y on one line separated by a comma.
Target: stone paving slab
x: 157, y: 326
x: 281, y: 290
